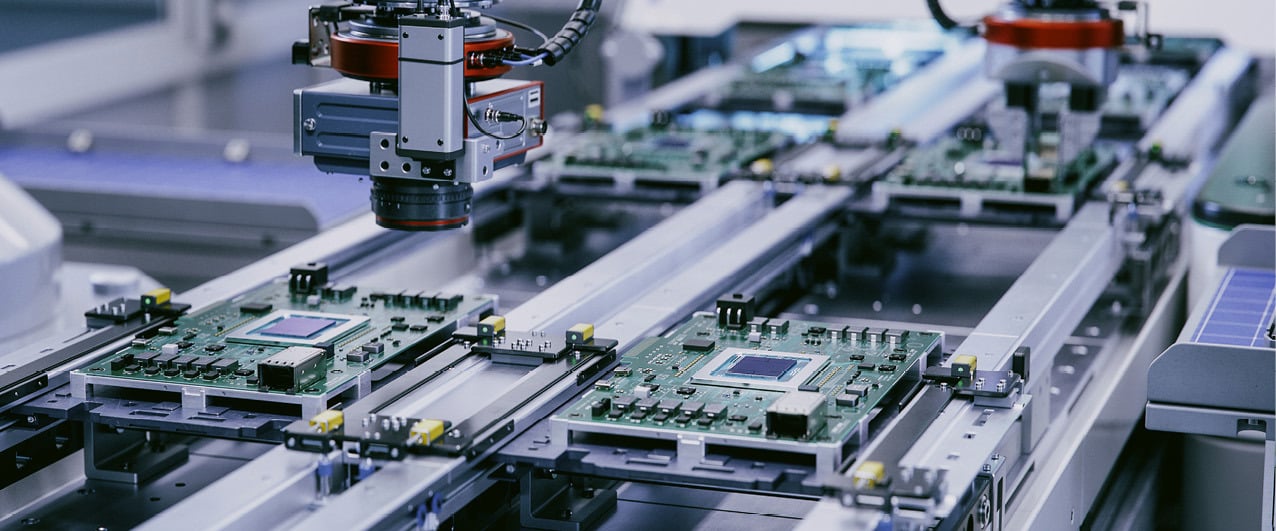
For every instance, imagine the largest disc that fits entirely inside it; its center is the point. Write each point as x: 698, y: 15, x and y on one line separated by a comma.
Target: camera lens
x: 421, y: 205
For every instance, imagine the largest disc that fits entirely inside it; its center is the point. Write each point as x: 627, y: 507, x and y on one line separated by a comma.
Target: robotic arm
x: 423, y: 109
x: 1034, y: 42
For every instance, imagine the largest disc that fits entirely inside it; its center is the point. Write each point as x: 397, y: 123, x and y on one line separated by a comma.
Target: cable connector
x: 491, y: 114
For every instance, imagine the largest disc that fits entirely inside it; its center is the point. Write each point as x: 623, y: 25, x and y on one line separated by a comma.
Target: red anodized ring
x: 378, y: 59
x: 1051, y: 34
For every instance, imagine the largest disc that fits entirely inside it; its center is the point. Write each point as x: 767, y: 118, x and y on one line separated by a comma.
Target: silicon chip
x: 298, y: 327
x: 256, y: 307
x: 759, y: 366
x: 698, y: 345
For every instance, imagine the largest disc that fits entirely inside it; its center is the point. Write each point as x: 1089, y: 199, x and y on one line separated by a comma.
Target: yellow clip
x: 580, y: 333
x: 328, y: 420
x: 426, y: 431
x: 762, y: 167
x: 594, y: 112
x: 963, y: 366
x: 157, y: 297
x: 870, y: 474
x: 832, y: 173
x: 492, y: 324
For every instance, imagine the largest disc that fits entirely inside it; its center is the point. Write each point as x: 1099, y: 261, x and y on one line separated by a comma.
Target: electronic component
x: 802, y: 393
x: 256, y: 307
x: 978, y: 180
x: 963, y: 366
x: 327, y: 421
x: 156, y: 297
x: 580, y: 333
x: 292, y: 370
x: 698, y: 344
x: 657, y: 157
x: 291, y: 327
x: 796, y: 414
x: 827, y: 71
x: 425, y: 432
x: 776, y: 371
x: 226, y: 345
x: 869, y: 474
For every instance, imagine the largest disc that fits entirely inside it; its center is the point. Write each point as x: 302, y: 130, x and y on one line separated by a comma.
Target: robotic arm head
x: 436, y: 68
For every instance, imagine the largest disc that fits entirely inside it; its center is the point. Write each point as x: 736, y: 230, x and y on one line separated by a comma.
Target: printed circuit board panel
x: 276, y: 344
x: 800, y: 387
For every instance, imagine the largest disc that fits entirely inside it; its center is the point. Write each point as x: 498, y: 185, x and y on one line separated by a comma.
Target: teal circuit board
x: 773, y: 380
x: 972, y: 160
x: 956, y: 164
x: 658, y: 154
x: 827, y: 71
x: 275, y: 341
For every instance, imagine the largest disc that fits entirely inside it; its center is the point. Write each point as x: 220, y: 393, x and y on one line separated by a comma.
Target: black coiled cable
x: 573, y: 31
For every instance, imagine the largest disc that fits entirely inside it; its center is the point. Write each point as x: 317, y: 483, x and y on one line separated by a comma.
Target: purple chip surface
x: 298, y: 327
x: 761, y: 366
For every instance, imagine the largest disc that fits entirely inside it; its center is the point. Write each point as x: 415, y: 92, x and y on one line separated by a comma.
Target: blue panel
x: 1240, y: 312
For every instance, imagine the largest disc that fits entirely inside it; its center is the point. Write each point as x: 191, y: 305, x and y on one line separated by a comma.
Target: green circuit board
x: 659, y: 154
x: 954, y: 164
x: 775, y: 379
x: 319, y: 340
x: 830, y: 70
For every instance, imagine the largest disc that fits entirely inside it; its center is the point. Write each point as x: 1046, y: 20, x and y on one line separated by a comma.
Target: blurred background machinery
x: 910, y: 265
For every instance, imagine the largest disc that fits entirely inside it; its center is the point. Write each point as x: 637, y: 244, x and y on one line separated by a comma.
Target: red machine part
x: 1053, y: 34
x: 378, y: 59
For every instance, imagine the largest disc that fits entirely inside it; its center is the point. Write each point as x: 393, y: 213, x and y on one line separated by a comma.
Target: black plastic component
x: 600, y: 407
x: 787, y: 424
x: 338, y: 292
x: 257, y: 307
x: 122, y: 361
x: 446, y: 301
x: 1086, y: 99
x: 735, y: 311
x: 226, y: 365
x: 114, y: 312
x: 698, y: 345
x: 421, y: 205
x: 307, y: 278
x: 1021, y: 96
x: 847, y: 400
x: 1019, y: 362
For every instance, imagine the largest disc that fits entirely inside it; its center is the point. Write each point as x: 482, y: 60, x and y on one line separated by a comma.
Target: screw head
x: 309, y: 125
